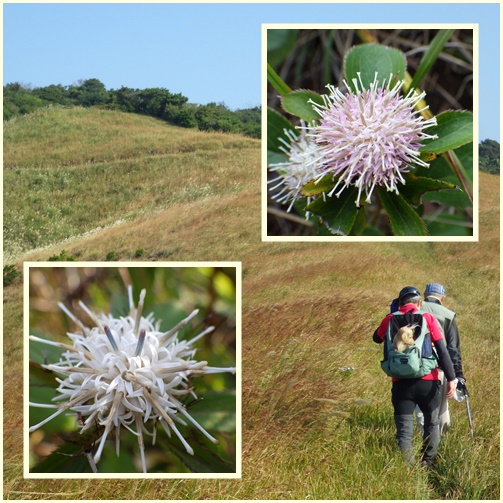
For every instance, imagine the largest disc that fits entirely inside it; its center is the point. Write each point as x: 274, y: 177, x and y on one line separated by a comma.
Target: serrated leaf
x: 416, y: 186
x: 454, y: 128
x: 314, y: 188
x: 403, y: 219
x: 367, y: 59
x: 297, y: 103
x: 276, y: 125
x: 338, y: 213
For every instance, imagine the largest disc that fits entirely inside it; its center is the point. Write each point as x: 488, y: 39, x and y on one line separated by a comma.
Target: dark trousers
x: 405, y: 395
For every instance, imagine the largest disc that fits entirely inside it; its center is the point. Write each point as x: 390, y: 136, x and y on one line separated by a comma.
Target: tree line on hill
x: 156, y: 102
x: 489, y: 156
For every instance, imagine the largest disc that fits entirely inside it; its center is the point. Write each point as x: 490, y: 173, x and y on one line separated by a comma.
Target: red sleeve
x: 433, y: 327
x: 383, y: 327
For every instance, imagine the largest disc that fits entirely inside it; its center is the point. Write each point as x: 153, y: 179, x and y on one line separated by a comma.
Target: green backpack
x: 415, y: 361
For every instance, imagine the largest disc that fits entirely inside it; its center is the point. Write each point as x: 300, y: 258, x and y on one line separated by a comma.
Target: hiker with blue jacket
x: 418, y: 385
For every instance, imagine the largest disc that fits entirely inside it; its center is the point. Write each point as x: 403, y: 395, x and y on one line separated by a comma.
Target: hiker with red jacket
x: 423, y: 391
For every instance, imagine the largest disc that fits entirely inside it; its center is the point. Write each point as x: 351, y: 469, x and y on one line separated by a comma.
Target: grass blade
x: 430, y: 56
x: 276, y: 81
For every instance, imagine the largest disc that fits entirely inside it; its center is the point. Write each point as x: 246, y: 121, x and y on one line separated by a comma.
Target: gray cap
x: 435, y: 289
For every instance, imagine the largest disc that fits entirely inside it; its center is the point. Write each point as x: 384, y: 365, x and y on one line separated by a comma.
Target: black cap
x: 408, y: 290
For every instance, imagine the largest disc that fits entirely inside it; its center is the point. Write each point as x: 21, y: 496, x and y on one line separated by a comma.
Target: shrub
x: 9, y: 274
x: 63, y: 257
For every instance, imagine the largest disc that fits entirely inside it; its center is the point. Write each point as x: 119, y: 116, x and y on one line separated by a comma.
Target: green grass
x: 57, y: 136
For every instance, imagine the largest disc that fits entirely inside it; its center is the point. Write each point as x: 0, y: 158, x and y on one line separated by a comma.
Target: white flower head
x: 125, y: 373
x: 301, y: 168
x: 370, y: 137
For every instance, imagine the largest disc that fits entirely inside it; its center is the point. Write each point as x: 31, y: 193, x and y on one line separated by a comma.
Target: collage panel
x: 132, y: 370
x: 226, y: 280
x: 370, y: 132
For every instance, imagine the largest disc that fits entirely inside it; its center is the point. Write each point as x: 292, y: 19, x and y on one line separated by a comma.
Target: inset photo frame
x: 132, y: 371
x: 370, y: 132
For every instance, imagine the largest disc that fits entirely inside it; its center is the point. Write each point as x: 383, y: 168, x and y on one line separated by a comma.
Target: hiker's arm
x: 452, y: 340
x: 380, y: 333
x: 444, y: 359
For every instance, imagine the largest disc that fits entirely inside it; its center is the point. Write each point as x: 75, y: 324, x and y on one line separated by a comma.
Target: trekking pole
x: 465, y: 392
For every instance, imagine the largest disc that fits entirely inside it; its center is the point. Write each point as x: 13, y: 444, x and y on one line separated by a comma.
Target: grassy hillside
x: 69, y: 172
x: 311, y: 430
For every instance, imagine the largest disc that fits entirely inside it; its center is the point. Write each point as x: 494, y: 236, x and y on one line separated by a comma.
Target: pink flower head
x: 369, y: 138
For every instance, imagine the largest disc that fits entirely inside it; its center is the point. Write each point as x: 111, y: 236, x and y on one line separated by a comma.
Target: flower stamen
x: 124, y: 371
x: 368, y: 137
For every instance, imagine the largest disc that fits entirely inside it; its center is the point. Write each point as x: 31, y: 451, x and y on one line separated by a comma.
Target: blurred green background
x: 172, y: 294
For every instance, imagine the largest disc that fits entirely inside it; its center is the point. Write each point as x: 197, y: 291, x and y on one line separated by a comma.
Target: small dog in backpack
x: 404, y: 338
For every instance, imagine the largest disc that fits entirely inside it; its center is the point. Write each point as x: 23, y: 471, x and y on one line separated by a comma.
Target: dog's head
x: 406, y: 334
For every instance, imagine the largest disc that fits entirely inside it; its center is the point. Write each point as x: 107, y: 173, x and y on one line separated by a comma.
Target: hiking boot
x: 428, y: 464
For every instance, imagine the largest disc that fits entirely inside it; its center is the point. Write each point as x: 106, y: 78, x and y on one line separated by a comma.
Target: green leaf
x: 312, y: 188
x: 445, y: 224
x: 279, y: 45
x: 416, y: 186
x: 216, y: 412
x: 276, y: 81
x: 297, y: 103
x: 204, y: 460
x: 169, y: 313
x: 44, y: 353
x: 40, y: 376
x: 430, y: 56
x: 338, y: 214
x: 69, y: 458
x: 371, y: 58
x: 276, y: 125
x: 44, y: 394
x: 403, y: 219
x: 454, y: 128
x: 440, y: 170
x: 360, y: 224
x: 275, y: 157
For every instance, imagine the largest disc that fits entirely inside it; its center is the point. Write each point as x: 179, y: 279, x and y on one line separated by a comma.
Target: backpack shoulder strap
x: 423, y: 340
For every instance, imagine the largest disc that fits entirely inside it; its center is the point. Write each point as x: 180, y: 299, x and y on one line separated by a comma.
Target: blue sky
x: 207, y: 52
